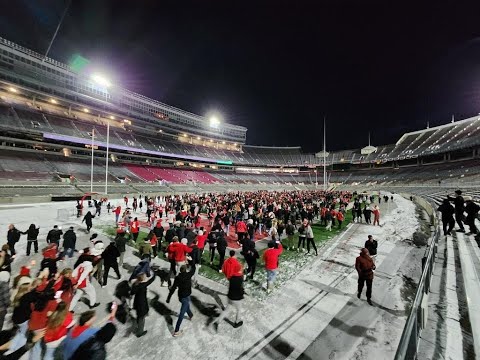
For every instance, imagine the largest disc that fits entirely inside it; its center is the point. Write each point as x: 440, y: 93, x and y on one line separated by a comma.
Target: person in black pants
x: 448, y: 221
x: 13, y: 235
x: 110, y: 256
x: 140, y: 302
x: 310, y: 238
x: 459, y: 209
x: 32, y: 236
x: 251, y: 255
x: 221, y: 248
x: 371, y: 245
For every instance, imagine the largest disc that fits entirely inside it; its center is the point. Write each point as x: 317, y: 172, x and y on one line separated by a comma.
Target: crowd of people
x: 44, y: 298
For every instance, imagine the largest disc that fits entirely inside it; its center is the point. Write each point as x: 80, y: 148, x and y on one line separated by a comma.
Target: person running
x: 365, y: 266
x: 110, y: 256
x: 270, y: 257
x: 183, y: 281
x: 140, y: 301
x: 235, y: 297
x: 88, y: 220
x: 376, y: 215
x: 81, y: 274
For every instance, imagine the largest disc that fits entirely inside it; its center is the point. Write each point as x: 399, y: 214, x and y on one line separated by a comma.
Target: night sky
x: 276, y: 67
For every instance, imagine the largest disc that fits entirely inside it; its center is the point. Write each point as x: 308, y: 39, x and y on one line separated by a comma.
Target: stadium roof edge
x: 65, y: 67
x: 271, y: 147
x: 438, y: 127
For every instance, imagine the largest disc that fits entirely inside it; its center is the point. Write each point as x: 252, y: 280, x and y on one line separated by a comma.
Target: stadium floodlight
x: 214, y: 122
x: 53, y: 101
x: 199, y: 138
x: 112, y: 117
x: 85, y: 110
x: 185, y: 135
x: 101, y: 80
x: 223, y: 142
x: 12, y: 89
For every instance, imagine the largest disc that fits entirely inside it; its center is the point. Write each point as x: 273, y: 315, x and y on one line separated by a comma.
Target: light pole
x: 91, y: 165
x: 106, y: 161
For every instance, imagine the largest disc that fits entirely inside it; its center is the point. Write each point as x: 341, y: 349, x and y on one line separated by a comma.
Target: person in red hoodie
x: 177, y: 251
x: 117, y: 212
x: 231, y: 266
x: 201, y: 239
x: 270, y: 257
x: 134, y: 229
x: 57, y: 328
x: 241, y: 230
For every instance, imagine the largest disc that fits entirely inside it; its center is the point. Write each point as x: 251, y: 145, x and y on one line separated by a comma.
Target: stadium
x: 68, y: 135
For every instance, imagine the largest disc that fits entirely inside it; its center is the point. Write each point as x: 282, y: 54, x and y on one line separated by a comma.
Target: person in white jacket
x: 83, y: 286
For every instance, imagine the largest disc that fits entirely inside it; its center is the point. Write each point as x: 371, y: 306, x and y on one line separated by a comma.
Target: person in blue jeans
x: 183, y: 281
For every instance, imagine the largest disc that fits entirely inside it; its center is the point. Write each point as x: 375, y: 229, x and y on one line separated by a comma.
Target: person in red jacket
x: 134, y: 229
x: 270, y: 257
x: 201, y: 239
x: 57, y: 328
x: 177, y: 251
x: 340, y: 218
x: 241, y: 230
x: 364, y: 265
x: 117, y: 212
x: 231, y: 266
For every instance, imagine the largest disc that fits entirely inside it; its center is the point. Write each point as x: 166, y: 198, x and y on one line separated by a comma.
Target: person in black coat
x: 459, y: 209
x: 140, y: 302
x: 32, y: 238
x: 221, y: 248
x: 94, y: 348
x: 13, y: 235
x: 472, y: 211
x: 183, y: 281
x: 371, y: 245
x: 110, y: 256
x: 69, y: 242
x: 88, y: 220
x: 448, y: 221
x: 54, y: 235
x: 251, y: 255
x: 121, y: 244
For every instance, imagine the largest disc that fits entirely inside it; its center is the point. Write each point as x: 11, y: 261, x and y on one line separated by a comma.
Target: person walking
x: 110, y: 256
x: 310, y: 238
x: 270, y: 257
x: 135, y: 229
x: 365, y: 266
x: 376, y: 215
x: 235, y: 297
x: 251, y: 255
x: 117, y: 212
x: 54, y: 235
x: 371, y: 245
x: 290, y: 231
x: 121, y: 244
x: 69, y: 242
x: 221, y: 248
x: 88, y: 220
x: 13, y: 236
x: 472, y: 212
x: 183, y: 281
x: 448, y: 222
x: 140, y: 301
x: 32, y: 238
x: 81, y: 276
x: 231, y: 265
x: 459, y: 204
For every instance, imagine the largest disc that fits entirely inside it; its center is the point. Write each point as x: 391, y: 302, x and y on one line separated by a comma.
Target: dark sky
x: 277, y: 67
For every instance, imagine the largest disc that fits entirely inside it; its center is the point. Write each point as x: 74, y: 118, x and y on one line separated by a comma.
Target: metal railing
x: 408, y: 346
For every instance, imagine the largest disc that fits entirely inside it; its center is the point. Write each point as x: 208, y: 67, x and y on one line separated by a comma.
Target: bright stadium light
x: 199, y: 138
x: 12, y: 89
x: 85, y: 110
x: 53, y: 101
x: 112, y: 117
x: 214, y: 122
x: 223, y: 142
x: 101, y: 80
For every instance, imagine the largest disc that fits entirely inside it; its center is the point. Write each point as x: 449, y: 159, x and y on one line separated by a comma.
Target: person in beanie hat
x: 364, y: 265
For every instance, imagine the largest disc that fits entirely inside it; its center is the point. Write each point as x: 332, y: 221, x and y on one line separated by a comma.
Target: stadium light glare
x: 101, y: 80
x: 12, y: 89
x: 185, y: 135
x: 85, y: 110
x: 223, y: 142
x: 199, y: 138
x: 211, y: 140
x: 112, y: 117
x: 214, y: 122
x: 53, y: 101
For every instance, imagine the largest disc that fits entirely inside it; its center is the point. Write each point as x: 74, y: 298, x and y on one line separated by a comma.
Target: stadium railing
x: 416, y: 321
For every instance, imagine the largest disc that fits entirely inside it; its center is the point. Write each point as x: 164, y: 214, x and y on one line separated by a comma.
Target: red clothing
x: 340, y: 216
x: 177, y: 251
x: 38, y: 319
x: 201, y: 239
x: 153, y: 240
x: 241, y: 227
x: 61, y: 331
x: 135, y: 227
x: 231, y: 267
x: 270, y: 257
x: 118, y: 210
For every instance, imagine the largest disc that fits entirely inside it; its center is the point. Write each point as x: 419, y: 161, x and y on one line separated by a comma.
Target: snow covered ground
x: 316, y: 315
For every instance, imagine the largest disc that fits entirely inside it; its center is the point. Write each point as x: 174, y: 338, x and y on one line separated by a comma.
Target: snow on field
x: 316, y: 315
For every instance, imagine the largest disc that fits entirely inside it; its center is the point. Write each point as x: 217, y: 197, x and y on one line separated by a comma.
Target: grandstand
x: 51, y: 116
